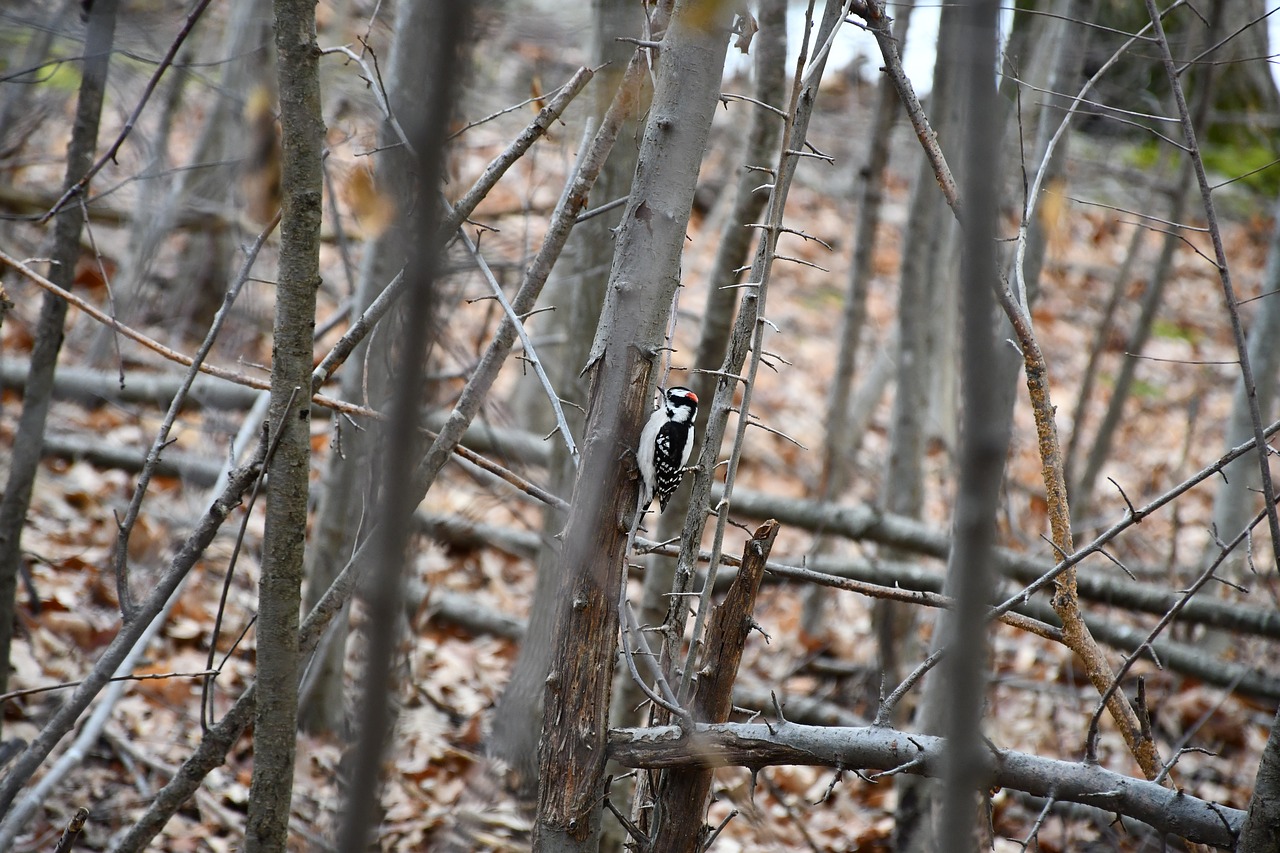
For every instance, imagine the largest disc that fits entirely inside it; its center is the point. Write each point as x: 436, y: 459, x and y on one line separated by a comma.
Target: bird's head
x: 682, y: 403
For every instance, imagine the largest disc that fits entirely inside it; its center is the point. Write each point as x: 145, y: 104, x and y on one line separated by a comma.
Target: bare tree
x: 641, y: 286
x: 577, y: 291
x: 280, y: 590
x: 425, y: 137
x: 68, y: 223
x: 763, y: 135
x: 1008, y: 145
x: 984, y: 439
x: 923, y: 274
x: 346, y: 499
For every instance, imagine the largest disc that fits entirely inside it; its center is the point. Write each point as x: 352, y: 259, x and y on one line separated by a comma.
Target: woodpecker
x: 665, y: 445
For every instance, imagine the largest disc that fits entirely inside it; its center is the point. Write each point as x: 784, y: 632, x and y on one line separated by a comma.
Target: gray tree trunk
x: 984, y: 444
x: 345, y: 505
x: 642, y: 284
x: 577, y: 289
x: 897, y: 633
x: 205, y: 262
x: 928, y: 226
x: 447, y: 28
x: 763, y: 135
x: 1232, y: 511
x: 25, y: 457
x: 1261, y: 830
x: 1042, y: 37
x: 1238, y: 497
x: 289, y: 422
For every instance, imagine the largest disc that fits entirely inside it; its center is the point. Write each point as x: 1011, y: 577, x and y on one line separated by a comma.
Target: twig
x: 273, y: 437
x: 72, y: 832
x: 602, y: 209
x: 123, y: 592
x: 1042, y: 171
x: 357, y: 332
x: 1035, y: 827
x: 727, y: 96
x: 373, y: 82
x: 146, y: 676
x: 664, y: 697
x: 573, y: 86
x: 465, y: 206
x: 1145, y: 647
x: 110, y: 154
x: 530, y: 354
x: 910, y: 596
x: 885, y: 711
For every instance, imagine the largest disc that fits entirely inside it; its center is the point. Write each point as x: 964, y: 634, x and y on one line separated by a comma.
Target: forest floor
x: 1039, y: 700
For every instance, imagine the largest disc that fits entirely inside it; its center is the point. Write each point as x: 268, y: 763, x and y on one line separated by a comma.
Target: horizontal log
x: 858, y: 522
x: 1179, y: 657
x: 756, y: 745
x: 866, y: 523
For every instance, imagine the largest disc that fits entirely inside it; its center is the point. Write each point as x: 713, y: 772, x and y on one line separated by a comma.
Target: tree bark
x: 681, y: 798
x: 577, y: 290
x: 289, y: 422
x: 447, y: 26
x: 1261, y: 830
x: 735, y: 239
x: 922, y: 279
x: 1238, y: 488
x: 642, y: 284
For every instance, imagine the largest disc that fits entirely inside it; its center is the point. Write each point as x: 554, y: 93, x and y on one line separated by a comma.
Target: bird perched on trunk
x: 665, y: 445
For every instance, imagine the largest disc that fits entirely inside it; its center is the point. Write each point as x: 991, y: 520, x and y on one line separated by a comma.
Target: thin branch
x: 530, y: 354
x: 72, y: 832
x: 1165, y: 620
x: 1034, y: 194
x: 602, y: 209
x: 171, y: 354
x: 574, y: 85
x: 726, y: 96
x: 110, y: 154
x: 65, y: 685
x: 123, y: 592
x: 272, y: 435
